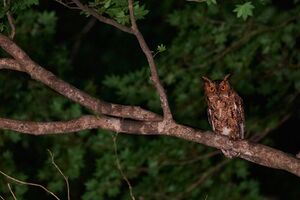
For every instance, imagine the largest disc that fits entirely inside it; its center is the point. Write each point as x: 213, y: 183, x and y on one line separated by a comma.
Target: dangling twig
x: 28, y: 183
x: 12, y: 193
x: 120, y: 168
x: 58, y: 169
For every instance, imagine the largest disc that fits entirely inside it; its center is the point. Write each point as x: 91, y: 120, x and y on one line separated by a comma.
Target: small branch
x: 205, y: 175
x: 23, y: 63
x: 67, y: 5
x: 259, y: 136
x: 1, y: 198
x: 10, y: 21
x: 154, y: 75
x: 257, y: 153
x: 78, y: 39
x: 120, y: 168
x: 101, y: 18
x: 12, y: 193
x: 58, y: 169
x: 191, y: 161
x: 28, y: 183
x: 198, y: 1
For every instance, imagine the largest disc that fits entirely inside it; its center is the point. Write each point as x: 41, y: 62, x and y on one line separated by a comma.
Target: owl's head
x: 217, y: 87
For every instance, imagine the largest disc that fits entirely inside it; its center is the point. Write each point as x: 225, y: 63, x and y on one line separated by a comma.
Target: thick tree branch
x: 257, y: 153
x: 23, y: 63
x: 152, y: 65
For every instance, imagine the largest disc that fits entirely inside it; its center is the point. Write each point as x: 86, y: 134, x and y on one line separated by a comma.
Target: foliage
x: 118, y: 9
x: 209, y: 39
x: 244, y: 10
x: 161, y: 48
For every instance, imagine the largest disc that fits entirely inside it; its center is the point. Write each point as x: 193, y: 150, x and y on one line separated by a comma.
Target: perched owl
x: 225, y: 110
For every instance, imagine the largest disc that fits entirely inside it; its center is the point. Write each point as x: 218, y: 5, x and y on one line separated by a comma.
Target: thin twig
x: 259, y: 136
x: 120, y: 168
x: 1, y: 198
x: 66, y: 178
x: 198, y: 1
x: 67, y: 6
x: 205, y: 175
x: 12, y: 193
x: 10, y: 21
x: 92, y: 21
x: 28, y: 183
x: 191, y: 161
x: 101, y: 18
x: 154, y: 74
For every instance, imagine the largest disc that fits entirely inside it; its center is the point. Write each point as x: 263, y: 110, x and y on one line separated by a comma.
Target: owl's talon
x: 230, y: 154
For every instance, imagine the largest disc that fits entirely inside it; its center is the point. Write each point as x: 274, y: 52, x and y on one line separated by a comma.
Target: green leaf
x: 140, y: 12
x: 210, y: 2
x: 161, y: 48
x: 244, y: 10
x: 297, y: 85
x: 107, y: 3
x: 2, y: 27
x: 20, y: 5
x: 122, y: 18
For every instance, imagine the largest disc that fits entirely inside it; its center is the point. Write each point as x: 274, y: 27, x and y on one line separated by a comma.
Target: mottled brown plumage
x: 225, y: 110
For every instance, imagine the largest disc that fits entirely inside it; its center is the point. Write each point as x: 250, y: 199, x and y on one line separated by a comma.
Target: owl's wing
x: 241, y: 115
x: 209, y: 116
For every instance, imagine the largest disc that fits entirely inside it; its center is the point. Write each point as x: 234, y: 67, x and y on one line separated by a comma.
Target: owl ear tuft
x: 226, y: 78
x: 205, y: 79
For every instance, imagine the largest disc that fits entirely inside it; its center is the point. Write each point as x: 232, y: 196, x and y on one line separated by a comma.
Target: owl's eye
x: 223, y: 87
x: 211, y: 89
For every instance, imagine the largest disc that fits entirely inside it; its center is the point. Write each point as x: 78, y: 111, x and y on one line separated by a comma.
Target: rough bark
x: 256, y: 153
x: 23, y: 63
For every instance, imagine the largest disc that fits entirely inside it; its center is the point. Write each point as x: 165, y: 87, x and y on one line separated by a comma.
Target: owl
x: 225, y: 110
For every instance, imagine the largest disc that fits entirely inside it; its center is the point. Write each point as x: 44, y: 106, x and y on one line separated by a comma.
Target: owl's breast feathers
x: 226, y: 115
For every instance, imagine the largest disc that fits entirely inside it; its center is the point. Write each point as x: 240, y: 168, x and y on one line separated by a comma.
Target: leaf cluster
x: 118, y: 9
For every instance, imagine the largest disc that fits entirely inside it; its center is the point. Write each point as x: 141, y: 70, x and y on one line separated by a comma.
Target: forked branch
x: 134, y: 30
x: 30, y: 184
x: 23, y: 63
x: 154, y: 75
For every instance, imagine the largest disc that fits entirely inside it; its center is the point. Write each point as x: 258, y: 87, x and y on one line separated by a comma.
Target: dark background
x: 110, y: 65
